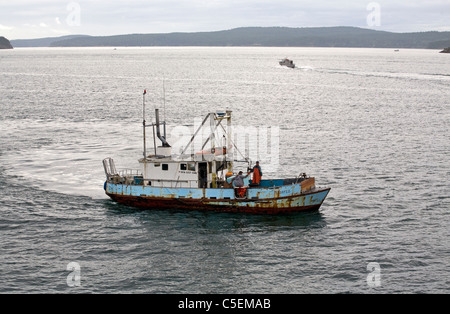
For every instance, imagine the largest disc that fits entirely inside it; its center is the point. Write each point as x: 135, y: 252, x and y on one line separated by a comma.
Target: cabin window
x: 183, y: 167
x: 165, y: 167
x: 157, y: 164
x: 191, y: 166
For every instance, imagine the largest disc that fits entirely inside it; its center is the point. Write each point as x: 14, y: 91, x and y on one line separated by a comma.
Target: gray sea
x: 372, y: 124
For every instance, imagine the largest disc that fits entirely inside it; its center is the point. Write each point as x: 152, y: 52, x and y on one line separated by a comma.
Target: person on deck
x: 239, y: 179
x: 257, y: 174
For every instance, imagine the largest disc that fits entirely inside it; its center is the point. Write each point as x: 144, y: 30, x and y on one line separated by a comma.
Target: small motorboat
x: 288, y: 63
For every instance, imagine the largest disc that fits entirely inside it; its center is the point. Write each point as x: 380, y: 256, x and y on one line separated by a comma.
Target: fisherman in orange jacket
x: 257, y: 174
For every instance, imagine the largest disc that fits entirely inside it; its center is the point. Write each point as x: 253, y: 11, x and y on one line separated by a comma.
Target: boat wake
x: 305, y: 68
x: 394, y: 75
x: 64, y: 157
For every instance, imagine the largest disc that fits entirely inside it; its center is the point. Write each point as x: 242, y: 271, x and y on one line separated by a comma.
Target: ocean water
x: 372, y: 124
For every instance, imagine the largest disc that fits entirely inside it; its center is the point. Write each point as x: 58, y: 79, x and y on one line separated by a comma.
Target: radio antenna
x: 144, y: 124
x: 164, y: 99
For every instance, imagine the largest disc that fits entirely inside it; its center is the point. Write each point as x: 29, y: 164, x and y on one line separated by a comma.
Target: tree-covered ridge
x: 267, y: 37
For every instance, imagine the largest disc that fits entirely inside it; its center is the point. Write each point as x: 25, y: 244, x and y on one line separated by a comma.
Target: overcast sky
x: 23, y: 19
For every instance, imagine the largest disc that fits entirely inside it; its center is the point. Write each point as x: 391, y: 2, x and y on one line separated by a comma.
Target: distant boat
x: 288, y: 63
x: 204, y: 180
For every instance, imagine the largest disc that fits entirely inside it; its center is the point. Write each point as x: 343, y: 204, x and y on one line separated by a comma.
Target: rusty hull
x: 278, y: 200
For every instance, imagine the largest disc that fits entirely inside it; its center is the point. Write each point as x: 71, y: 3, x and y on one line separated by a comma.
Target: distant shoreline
x: 212, y: 47
x: 320, y: 37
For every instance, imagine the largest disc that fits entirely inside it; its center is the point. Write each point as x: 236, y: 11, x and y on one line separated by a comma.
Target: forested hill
x: 4, y: 43
x: 41, y: 42
x: 270, y: 37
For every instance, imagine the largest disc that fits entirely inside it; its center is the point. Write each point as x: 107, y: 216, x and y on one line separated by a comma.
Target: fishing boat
x: 205, y: 180
x: 288, y: 63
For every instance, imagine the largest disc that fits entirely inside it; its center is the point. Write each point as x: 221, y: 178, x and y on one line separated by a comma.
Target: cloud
x: 5, y: 28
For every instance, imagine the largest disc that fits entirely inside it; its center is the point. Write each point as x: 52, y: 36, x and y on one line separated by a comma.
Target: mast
x: 229, y: 141
x: 143, y: 123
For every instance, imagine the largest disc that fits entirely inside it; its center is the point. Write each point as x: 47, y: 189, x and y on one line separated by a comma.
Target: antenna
x: 164, y: 98
x: 143, y: 123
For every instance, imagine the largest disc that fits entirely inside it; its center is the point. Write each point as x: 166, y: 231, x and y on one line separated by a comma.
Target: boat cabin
x: 169, y: 173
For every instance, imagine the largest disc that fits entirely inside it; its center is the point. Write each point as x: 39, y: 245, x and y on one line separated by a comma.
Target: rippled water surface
x: 372, y: 124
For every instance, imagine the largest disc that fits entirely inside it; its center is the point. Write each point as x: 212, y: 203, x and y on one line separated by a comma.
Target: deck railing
x: 130, y: 173
x: 135, y: 177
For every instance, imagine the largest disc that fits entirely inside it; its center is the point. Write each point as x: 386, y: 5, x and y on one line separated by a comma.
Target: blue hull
x: 282, y: 199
